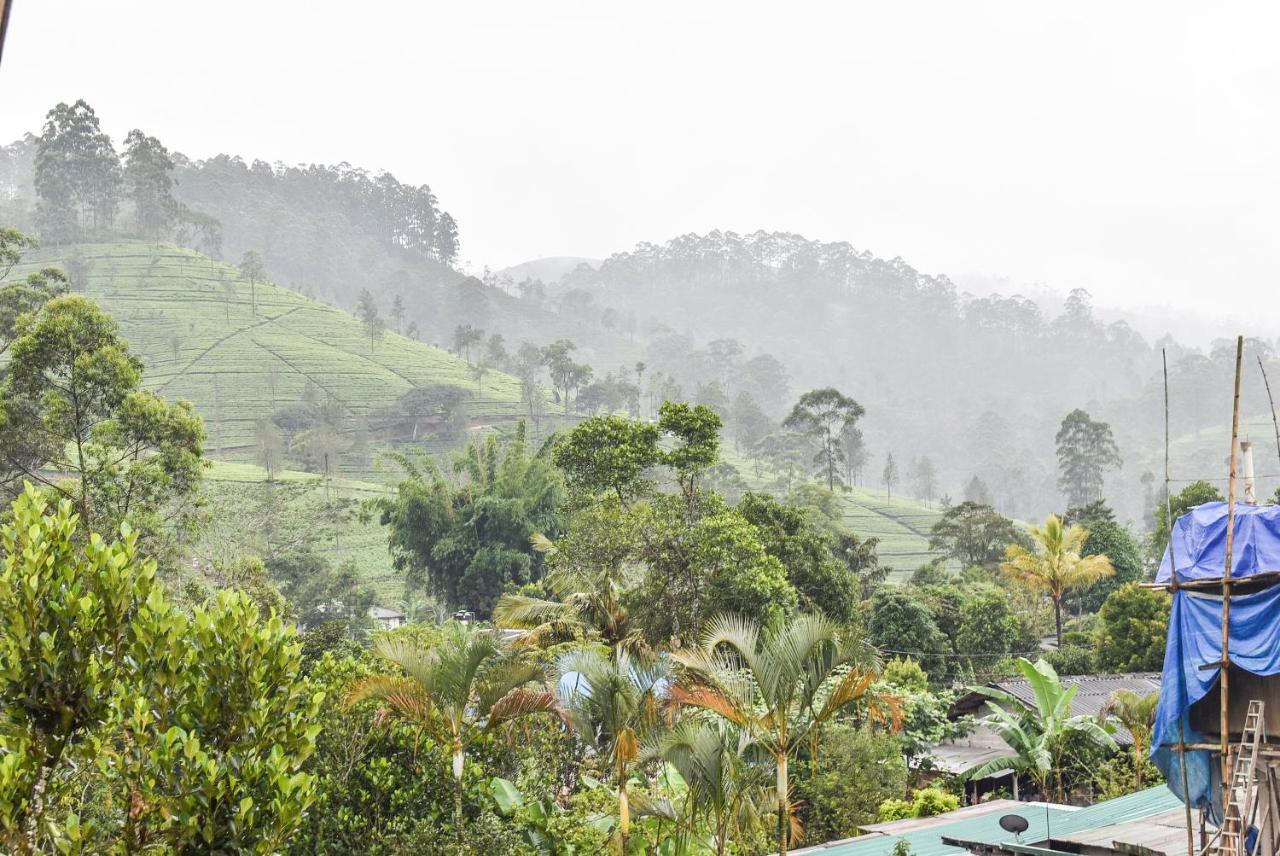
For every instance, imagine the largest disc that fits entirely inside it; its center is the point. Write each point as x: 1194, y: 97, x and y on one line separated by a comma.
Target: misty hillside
x: 243, y: 352
x: 975, y: 384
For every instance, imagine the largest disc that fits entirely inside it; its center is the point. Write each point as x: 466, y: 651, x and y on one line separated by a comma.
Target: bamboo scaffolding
x: 1224, y: 712
x: 1173, y: 577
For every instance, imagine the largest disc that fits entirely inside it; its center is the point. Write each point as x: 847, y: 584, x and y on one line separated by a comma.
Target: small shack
x: 1189, y: 738
x: 981, y: 745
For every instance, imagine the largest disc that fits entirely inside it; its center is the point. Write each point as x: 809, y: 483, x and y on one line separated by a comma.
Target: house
x: 981, y: 745
x: 1137, y: 823
x: 387, y: 619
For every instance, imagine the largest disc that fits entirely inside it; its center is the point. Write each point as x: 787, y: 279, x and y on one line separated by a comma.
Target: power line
x: 1040, y: 651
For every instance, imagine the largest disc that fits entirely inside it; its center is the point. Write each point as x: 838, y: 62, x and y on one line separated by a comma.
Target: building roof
x: 939, y: 836
x: 1092, y: 696
x: 1130, y: 820
x: 1164, y: 833
x: 962, y: 754
x: 384, y: 613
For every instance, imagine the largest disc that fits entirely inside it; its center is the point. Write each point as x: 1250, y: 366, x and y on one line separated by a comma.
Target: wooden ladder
x: 1238, y: 801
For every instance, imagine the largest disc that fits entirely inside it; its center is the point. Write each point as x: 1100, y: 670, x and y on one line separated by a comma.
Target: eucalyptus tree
x: 456, y: 691
x: 780, y: 685
x: 824, y: 414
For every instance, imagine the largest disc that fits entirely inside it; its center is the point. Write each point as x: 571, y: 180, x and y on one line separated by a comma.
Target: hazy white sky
x: 1130, y: 148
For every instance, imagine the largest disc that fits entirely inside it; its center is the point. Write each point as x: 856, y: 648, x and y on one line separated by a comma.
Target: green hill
x: 240, y: 351
x: 902, y: 524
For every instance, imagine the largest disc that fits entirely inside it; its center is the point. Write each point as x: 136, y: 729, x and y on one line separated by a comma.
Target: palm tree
x: 456, y: 691
x: 1137, y: 713
x: 780, y: 685
x: 1040, y: 737
x: 1056, y: 566
x: 615, y: 704
x: 711, y: 757
x: 589, y: 605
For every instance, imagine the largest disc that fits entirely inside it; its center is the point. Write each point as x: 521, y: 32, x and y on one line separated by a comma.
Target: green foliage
x: 900, y: 622
x: 1044, y: 738
x: 697, y: 568
x: 905, y: 674
x: 220, y: 725
x: 457, y: 691
x: 824, y: 414
x: 780, y: 685
x: 973, y: 534
x: 925, y: 802
x: 1133, y: 626
x: 609, y: 453
x: 1086, y: 450
x: 378, y: 781
x: 72, y: 403
x: 1110, y: 539
x: 192, y: 728
x: 822, y: 582
x: 77, y: 174
x: 468, y: 539
x: 65, y: 629
x: 987, y: 624
x: 1071, y: 660
x: 854, y: 772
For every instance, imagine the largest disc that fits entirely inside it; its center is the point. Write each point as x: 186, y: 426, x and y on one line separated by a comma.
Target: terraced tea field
x: 239, y: 351
x: 902, y: 524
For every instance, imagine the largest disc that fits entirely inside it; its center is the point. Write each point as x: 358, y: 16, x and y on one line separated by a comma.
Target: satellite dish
x: 1015, y: 823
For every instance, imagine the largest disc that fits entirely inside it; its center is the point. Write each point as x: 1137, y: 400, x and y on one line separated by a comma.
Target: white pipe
x: 1250, y: 490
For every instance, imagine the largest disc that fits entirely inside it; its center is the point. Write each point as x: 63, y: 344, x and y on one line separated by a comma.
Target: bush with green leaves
x: 925, y: 802
x: 854, y: 772
x: 128, y: 723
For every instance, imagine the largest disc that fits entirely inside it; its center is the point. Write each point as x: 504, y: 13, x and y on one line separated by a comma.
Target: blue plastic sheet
x: 1198, y: 546
x: 1195, y: 639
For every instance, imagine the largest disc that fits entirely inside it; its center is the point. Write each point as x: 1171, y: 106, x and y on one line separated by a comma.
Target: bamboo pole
x: 1224, y: 713
x: 1173, y: 579
x: 1274, y: 422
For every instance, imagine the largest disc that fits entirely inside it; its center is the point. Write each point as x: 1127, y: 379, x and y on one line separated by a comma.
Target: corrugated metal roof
x: 966, y: 825
x: 1093, y: 694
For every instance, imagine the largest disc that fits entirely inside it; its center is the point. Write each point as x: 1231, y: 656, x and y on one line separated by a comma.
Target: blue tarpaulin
x: 1198, y: 551
x: 1198, y: 547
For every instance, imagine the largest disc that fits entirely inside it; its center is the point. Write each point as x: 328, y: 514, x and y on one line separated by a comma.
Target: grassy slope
x: 165, y: 296
x: 902, y: 524
x: 242, y: 485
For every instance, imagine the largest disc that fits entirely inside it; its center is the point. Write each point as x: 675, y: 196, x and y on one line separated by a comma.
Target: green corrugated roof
x: 1042, y: 821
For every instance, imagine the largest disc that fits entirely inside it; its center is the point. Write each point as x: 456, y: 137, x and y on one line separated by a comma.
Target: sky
x: 1127, y: 148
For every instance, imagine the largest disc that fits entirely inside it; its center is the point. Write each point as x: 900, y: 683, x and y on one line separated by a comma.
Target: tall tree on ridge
x: 1086, y: 450
x: 251, y: 268
x: 824, y: 414
x: 367, y: 312
x: 890, y: 475
x: 77, y: 174
x: 147, y: 168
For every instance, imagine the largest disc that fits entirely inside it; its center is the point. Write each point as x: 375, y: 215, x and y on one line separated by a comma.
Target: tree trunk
x: 624, y: 814
x: 458, y: 759
x: 1015, y: 785
x: 784, y: 806
x: 1057, y: 619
